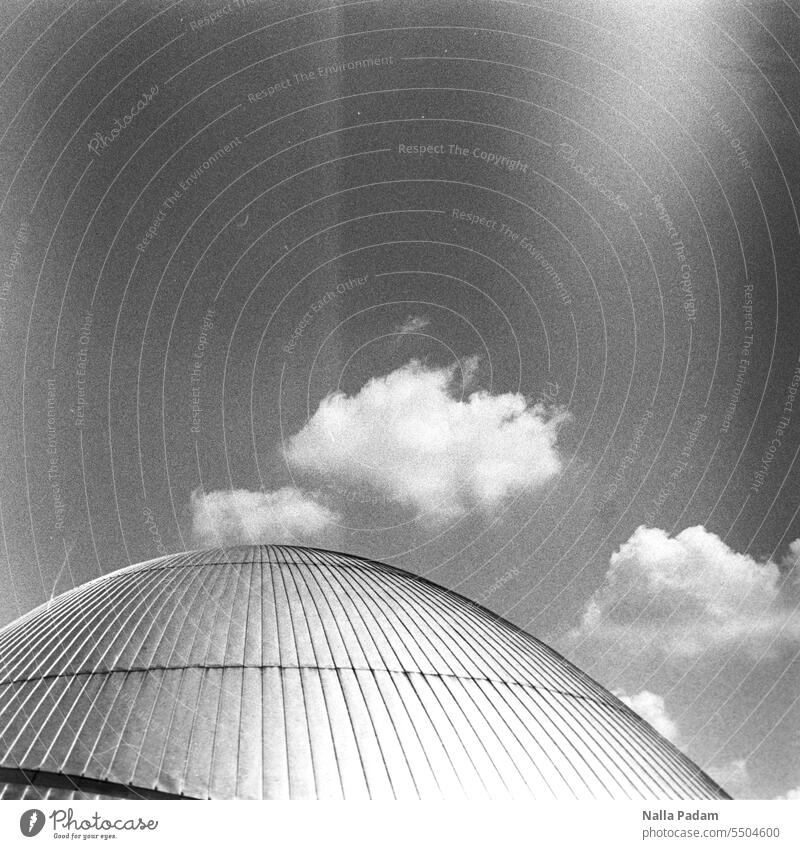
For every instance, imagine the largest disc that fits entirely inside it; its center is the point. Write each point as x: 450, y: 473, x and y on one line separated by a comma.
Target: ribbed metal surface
x: 283, y: 672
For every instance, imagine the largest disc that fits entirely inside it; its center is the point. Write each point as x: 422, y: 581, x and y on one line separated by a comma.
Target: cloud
x: 651, y: 707
x: 792, y: 794
x: 408, y: 436
x: 239, y: 516
x: 734, y: 777
x: 413, y: 324
x: 684, y: 595
x: 792, y: 558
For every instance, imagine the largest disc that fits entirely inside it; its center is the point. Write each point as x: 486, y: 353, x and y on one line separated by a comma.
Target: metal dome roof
x: 284, y: 672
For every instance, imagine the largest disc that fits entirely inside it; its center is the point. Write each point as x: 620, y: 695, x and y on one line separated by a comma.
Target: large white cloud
x: 239, y: 516
x: 409, y: 436
x: 683, y: 595
x: 651, y: 707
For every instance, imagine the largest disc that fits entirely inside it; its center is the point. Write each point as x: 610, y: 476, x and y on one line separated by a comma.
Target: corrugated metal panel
x: 281, y: 672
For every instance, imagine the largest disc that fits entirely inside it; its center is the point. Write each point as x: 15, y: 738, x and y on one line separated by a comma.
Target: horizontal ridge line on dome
x: 187, y: 560
x: 282, y: 666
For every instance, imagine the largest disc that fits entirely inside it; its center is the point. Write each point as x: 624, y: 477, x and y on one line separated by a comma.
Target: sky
x: 501, y: 293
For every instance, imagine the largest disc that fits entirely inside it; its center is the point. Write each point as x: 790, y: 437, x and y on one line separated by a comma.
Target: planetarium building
x: 276, y: 672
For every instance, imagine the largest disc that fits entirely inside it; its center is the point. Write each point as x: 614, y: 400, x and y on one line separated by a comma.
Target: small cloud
x: 733, y: 777
x: 467, y: 370
x: 413, y: 324
x: 240, y: 516
x: 651, y: 708
x: 682, y: 596
x: 791, y: 794
x: 791, y: 560
x: 410, y: 436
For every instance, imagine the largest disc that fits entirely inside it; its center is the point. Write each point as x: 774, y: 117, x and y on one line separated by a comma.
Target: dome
x: 277, y: 672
